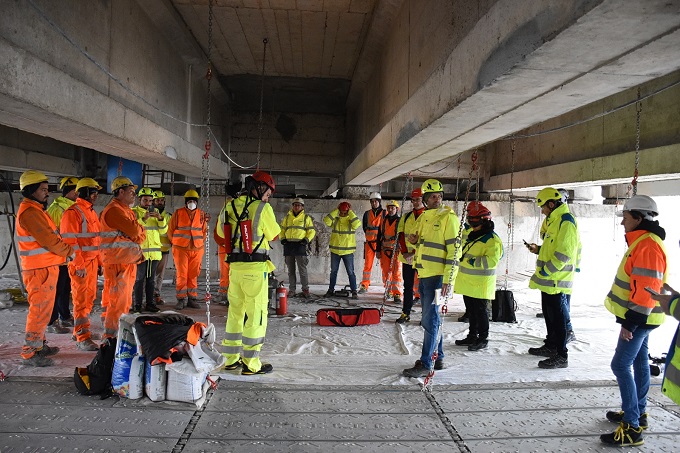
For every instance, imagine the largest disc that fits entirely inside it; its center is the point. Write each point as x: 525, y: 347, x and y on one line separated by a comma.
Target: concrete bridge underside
x: 355, y: 93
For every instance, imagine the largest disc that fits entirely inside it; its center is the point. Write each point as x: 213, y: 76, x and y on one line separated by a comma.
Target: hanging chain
x: 457, y: 244
x: 511, y: 215
x: 205, y: 166
x: 259, y: 135
x: 638, y: 111
x: 457, y: 183
x: 408, y: 187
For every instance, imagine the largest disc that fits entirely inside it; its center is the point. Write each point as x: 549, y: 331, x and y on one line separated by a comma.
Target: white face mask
x: 192, y: 205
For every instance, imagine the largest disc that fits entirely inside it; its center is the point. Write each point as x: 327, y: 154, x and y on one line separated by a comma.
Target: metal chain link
x: 205, y: 167
x: 511, y: 215
x: 638, y: 110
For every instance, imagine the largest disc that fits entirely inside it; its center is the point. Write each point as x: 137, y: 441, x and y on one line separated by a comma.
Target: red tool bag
x: 347, y: 317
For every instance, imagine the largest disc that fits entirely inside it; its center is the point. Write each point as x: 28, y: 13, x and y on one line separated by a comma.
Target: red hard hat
x: 344, y: 206
x: 266, y: 178
x: 417, y: 193
x: 477, y: 209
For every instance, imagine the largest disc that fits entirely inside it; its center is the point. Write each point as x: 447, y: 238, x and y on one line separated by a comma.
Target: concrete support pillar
x: 614, y: 192
x: 356, y: 192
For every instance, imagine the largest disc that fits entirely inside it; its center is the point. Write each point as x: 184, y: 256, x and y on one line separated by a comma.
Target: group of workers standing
x: 64, y: 247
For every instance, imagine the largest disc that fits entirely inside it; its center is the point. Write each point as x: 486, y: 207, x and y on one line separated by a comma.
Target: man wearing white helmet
x: 371, y: 222
x: 297, y: 231
x: 644, y: 265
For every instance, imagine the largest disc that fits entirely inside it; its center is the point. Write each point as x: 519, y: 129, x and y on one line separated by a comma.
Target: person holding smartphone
x: 643, y: 265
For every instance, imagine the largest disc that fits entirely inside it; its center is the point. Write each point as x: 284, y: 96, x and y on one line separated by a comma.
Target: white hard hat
x: 640, y: 203
x: 375, y: 196
x: 298, y: 200
x: 565, y: 194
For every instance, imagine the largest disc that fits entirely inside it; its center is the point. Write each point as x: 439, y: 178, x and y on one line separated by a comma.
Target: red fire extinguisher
x: 281, y: 300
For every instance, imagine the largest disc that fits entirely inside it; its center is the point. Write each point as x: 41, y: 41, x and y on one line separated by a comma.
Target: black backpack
x: 95, y: 379
x: 503, y: 307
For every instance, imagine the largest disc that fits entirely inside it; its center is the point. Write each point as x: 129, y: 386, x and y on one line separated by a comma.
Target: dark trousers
x: 408, y: 272
x: 62, y: 298
x: 144, y: 283
x: 478, y: 317
x: 554, y: 308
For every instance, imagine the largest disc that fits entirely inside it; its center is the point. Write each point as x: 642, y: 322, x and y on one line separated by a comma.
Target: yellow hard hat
x: 120, y: 182
x: 393, y: 203
x: 68, y: 181
x: 191, y: 193
x: 145, y: 191
x: 31, y: 177
x: 88, y: 182
x: 548, y: 194
x: 158, y: 194
x: 432, y: 185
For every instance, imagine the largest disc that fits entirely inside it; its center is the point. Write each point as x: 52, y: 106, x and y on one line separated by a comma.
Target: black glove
x: 284, y: 241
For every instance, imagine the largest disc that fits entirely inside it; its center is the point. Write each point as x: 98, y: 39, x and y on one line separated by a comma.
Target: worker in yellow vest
x: 61, y: 320
x: 644, y: 265
x: 297, y: 231
x: 344, y: 223
x: 407, y: 225
x: 159, y: 204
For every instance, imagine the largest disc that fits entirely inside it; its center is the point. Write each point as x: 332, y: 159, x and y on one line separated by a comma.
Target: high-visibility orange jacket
x: 388, y: 235
x: 120, y: 234
x: 187, y: 229
x: 371, y: 225
x: 80, y: 229
x: 39, y: 244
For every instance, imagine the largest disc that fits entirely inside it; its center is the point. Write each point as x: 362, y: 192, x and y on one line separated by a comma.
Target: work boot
x: 56, y: 327
x: 47, y: 350
x: 556, y: 361
x: 330, y: 293
x: 362, y: 289
x: 540, y: 315
x: 397, y: 299
x: 265, y: 369
x: 617, y: 417
x: 570, y: 336
x: 87, y: 345
x: 180, y: 304
x: 67, y: 322
x: 223, y: 299
x: 157, y: 299
x: 234, y: 365
x: 193, y: 303
x: 389, y: 298
x: 417, y: 371
x: 306, y: 294
x: 136, y: 309
x: 152, y: 308
x: 467, y: 341
x: 543, y: 351
x: 38, y: 361
x: 403, y: 318
x: 479, y: 344
x: 438, y: 364
x: 464, y: 318
x: 355, y: 295
x: 624, y: 436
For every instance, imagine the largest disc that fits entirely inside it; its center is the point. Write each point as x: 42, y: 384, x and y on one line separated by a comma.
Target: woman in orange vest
x: 187, y: 230
x: 80, y: 229
x: 41, y: 251
x: 391, y: 268
x: 121, y: 236
x: 371, y: 224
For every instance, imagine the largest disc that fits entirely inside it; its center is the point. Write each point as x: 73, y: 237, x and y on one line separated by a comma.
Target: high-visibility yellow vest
x: 343, y: 232
x: 297, y: 227
x: 151, y: 247
x: 57, y: 209
x: 437, y: 237
x: 671, y: 378
x: 407, y: 225
x: 477, y: 273
x: 163, y: 232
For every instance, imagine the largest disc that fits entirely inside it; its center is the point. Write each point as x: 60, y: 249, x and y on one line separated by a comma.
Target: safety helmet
x: 298, y: 200
x: 145, y: 191
x: 431, y: 186
x: 120, y: 182
x: 546, y: 195
x: 31, y: 177
x: 565, y: 194
x: 344, y: 206
x: 393, y: 203
x: 477, y: 209
x: 640, y: 203
x: 375, y: 196
x: 158, y: 194
x: 68, y: 181
x: 266, y: 178
x: 417, y: 193
x: 88, y: 182
x: 191, y: 193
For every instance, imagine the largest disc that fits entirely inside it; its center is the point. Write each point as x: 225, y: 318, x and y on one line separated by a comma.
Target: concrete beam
x: 563, y: 74
x: 19, y: 160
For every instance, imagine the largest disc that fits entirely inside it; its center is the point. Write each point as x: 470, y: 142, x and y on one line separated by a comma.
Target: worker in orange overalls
x: 223, y: 291
x: 80, y: 229
x: 42, y: 252
x: 121, y: 236
x: 371, y: 225
x: 187, y: 230
x: 391, y: 268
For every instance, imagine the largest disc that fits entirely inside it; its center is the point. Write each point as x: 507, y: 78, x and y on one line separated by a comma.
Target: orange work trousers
x: 224, y: 271
x: 84, y: 292
x: 369, y: 256
x: 41, y: 286
x: 188, y: 266
x: 391, y: 280
x: 119, y: 280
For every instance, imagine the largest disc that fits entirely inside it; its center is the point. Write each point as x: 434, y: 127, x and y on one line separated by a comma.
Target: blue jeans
x: 633, y: 386
x: 348, y: 260
x: 430, y: 320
